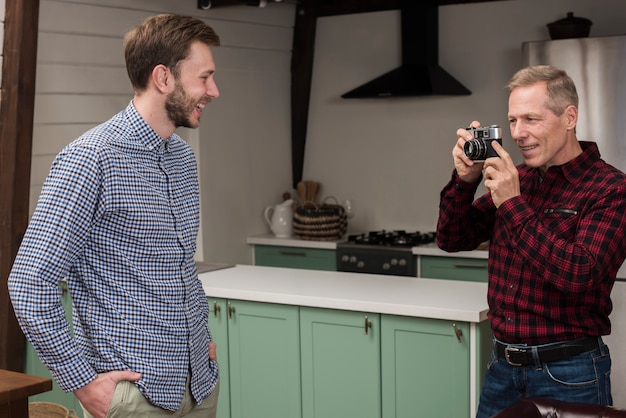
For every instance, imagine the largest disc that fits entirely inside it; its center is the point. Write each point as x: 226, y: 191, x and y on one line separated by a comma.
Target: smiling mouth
x: 528, y: 148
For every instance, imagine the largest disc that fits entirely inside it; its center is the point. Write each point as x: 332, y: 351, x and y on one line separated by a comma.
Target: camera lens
x: 476, y: 149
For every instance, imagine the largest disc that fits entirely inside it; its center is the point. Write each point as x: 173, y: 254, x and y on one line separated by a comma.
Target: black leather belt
x: 523, y: 356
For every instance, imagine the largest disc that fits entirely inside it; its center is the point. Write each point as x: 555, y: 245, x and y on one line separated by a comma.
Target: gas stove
x: 382, y: 252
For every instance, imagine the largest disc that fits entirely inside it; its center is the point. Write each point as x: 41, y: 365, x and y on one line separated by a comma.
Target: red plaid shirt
x: 554, y: 251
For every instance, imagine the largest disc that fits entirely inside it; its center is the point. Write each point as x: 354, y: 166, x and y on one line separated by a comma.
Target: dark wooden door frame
x: 17, y: 105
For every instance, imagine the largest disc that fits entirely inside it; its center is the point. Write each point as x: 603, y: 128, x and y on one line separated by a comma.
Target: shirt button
x: 509, y: 319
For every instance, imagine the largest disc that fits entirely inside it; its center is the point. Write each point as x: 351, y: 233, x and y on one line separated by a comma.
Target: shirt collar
x: 574, y: 169
x: 151, y: 140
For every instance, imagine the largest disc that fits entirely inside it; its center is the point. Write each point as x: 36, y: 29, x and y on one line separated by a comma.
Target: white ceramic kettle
x: 280, y: 218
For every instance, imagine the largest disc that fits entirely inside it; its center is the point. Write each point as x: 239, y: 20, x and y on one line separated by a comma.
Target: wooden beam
x: 301, y: 74
x: 17, y: 104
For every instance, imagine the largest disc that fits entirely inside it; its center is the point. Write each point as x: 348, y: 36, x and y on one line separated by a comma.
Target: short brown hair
x: 561, y: 88
x: 162, y: 39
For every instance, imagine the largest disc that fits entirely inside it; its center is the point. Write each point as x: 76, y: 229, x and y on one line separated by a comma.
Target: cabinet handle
x: 64, y: 287
x: 470, y: 266
x: 368, y: 325
x: 216, y: 308
x: 458, y: 332
x: 231, y: 310
x: 293, y: 253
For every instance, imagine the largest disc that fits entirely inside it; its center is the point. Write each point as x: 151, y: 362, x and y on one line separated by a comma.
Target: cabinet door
x: 425, y: 368
x: 340, y: 364
x: 295, y: 257
x: 264, y: 355
x: 453, y: 268
x: 218, y: 325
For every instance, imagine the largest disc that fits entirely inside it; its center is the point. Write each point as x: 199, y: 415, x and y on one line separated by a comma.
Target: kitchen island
x: 346, y: 344
x: 395, y: 295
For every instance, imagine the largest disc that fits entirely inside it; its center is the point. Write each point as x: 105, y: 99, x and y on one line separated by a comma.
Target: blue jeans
x: 585, y: 378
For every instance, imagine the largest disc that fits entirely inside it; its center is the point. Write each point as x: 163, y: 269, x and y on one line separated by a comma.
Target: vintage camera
x: 480, y: 148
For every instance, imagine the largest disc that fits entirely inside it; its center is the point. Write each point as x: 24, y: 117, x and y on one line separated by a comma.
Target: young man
x: 557, y: 227
x: 118, y: 218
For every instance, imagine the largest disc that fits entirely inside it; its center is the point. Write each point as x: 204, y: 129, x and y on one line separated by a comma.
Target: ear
x: 162, y: 78
x: 571, y: 113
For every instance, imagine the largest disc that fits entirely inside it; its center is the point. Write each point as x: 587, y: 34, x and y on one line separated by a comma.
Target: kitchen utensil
x: 312, y: 190
x: 302, y: 191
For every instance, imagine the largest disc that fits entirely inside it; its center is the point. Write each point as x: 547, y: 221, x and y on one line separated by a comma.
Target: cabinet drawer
x: 295, y: 257
x: 453, y: 268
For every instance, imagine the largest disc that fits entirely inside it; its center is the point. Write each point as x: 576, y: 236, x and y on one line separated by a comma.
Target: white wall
x: 243, y: 143
x: 393, y: 156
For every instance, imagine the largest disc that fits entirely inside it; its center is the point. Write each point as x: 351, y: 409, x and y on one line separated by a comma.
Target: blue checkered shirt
x: 118, y: 218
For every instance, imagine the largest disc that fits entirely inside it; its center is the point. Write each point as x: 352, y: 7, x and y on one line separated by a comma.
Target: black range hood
x: 420, y: 73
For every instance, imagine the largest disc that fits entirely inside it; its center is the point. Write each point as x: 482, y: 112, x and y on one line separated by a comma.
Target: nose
x: 212, y: 90
x: 517, y: 130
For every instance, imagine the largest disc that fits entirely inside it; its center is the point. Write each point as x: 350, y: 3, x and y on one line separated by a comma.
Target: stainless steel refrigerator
x: 598, y: 67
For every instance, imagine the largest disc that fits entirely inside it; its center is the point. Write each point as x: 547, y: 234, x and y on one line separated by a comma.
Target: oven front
x: 374, y: 259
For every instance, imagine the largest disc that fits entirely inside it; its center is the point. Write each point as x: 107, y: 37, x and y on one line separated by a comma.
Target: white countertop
x: 432, y: 249
x: 270, y: 239
x: 395, y: 295
x: 427, y: 249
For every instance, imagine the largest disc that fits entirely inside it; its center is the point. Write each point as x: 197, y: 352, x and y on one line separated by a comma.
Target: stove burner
x: 396, y: 238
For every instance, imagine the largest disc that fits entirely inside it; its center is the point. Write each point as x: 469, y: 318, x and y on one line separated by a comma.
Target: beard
x: 179, y: 106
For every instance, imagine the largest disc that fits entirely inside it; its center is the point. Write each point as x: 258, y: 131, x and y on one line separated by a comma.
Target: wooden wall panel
x: 79, y: 49
x: 76, y: 108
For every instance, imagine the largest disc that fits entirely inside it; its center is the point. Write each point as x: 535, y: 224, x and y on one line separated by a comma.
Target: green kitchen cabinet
x: 288, y: 361
x: 260, y: 363
x: 295, y: 257
x: 426, y: 366
x: 340, y: 363
x: 453, y: 268
x: 218, y: 324
x: 35, y: 367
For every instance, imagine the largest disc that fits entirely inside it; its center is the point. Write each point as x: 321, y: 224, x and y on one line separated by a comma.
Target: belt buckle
x: 507, y: 351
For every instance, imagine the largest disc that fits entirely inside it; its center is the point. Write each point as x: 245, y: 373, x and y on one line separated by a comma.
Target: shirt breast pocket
x: 562, y: 221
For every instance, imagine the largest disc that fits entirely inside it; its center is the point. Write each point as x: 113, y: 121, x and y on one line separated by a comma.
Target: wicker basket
x: 48, y: 410
x: 325, y: 222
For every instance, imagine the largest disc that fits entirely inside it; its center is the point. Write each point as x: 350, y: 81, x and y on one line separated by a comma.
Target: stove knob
x: 353, y: 259
x: 386, y: 266
x: 345, y: 258
x: 360, y: 264
x: 402, y: 262
x: 394, y: 261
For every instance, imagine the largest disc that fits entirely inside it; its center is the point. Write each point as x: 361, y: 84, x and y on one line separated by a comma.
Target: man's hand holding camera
x: 500, y: 173
x: 501, y: 176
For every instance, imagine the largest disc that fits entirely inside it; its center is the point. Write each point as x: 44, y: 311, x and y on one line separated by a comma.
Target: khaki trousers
x: 128, y: 401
